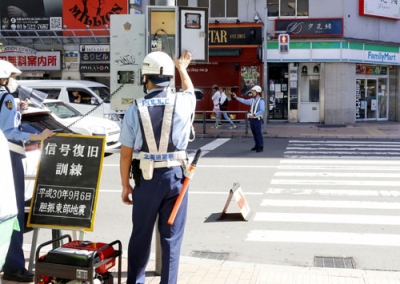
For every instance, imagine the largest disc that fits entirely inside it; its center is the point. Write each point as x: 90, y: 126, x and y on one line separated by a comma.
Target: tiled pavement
x: 207, y: 271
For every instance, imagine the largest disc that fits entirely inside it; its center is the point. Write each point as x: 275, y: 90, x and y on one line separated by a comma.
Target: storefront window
x: 287, y: 8
x: 220, y: 8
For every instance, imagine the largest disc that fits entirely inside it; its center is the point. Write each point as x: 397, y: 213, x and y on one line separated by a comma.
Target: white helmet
x: 158, y: 63
x: 7, y: 68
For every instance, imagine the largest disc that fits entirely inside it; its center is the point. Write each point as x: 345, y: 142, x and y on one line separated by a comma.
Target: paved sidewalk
x: 208, y: 271
x: 380, y: 130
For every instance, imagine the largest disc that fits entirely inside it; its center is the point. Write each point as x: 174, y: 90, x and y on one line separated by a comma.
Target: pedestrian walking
x: 216, y: 95
x: 154, y: 136
x: 257, y: 110
x: 10, y: 118
x: 223, y: 105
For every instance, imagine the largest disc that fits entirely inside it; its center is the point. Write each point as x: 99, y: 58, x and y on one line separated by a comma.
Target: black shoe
x: 19, y: 276
x: 261, y: 149
x: 253, y: 149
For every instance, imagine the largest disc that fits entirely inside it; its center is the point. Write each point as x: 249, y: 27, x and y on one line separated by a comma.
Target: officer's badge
x: 9, y: 104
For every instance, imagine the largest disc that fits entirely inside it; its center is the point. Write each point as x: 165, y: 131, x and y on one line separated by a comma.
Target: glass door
x: 367, y: 106
x: 383, y: 101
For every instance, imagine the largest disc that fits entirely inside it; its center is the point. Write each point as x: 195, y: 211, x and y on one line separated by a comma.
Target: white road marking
x: 327, y: 218
x: 335, y: 182
x: 330, y: 204
x: 376, y: 157
x: 339, y: 167
x: 334, y: 192
x: 331, y: 162
x: 345, y: 175
x: 344, y: 142
x: 324, y: 238
x: 370, y: 153
x: 192, y: 192
x: 345, y: 148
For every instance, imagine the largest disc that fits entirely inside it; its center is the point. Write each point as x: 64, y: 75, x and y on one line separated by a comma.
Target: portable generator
x: 78, y: 262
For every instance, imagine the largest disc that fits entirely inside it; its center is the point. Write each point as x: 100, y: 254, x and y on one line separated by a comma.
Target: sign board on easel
x: 238, y: 195
x: 67, y: 182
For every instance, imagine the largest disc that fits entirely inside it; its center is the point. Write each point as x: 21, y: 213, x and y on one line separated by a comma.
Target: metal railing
x: 204, y: 120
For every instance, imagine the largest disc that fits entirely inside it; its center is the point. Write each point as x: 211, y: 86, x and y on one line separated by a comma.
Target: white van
x: 96, y: 94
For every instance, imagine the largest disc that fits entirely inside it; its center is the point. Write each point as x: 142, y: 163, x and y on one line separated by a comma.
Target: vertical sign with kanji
x: 67, y: 182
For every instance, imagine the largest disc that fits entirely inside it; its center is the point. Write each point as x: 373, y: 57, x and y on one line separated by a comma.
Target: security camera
x: 256, y: 17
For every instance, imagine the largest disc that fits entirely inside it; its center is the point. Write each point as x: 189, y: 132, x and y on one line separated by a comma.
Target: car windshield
x: 103, y: 93
x: 62, y: 110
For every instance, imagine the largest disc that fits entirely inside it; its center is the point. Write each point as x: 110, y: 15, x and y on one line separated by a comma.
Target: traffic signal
x: 284, y: 40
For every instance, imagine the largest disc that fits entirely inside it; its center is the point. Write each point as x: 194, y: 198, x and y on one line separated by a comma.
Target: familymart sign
x: 336, y: 51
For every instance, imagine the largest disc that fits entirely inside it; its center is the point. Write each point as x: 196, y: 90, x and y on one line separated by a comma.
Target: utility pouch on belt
x: 147, y: 167
x: 135, y: 171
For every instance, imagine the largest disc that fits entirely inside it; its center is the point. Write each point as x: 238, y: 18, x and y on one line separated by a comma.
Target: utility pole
x: 265, y: 70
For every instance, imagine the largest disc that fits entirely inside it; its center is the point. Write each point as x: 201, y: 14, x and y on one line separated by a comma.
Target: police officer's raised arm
x: 181, y: 64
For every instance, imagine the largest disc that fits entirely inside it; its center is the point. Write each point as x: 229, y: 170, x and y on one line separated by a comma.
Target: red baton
x: 185, y: 185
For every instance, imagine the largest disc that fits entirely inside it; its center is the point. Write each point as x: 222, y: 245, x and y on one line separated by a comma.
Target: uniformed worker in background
x: 255, y: 116
x: 155, y: 132
x: 10, y: 118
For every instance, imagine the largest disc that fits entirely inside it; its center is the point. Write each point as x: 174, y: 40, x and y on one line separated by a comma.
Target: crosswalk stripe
x: 340, y: 152
x: 342, y: 148
x: 333, y: 192
x: 345, y: 175
x: 327, y: 218
x: 324, y: 238
x: 338, y: 167
x: 330, y: 162
x: 337, y: 182
x: 344, y: 142
x: 330, y: 204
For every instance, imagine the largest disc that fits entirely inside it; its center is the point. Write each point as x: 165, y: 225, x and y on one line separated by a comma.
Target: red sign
x: 25, y: 58
x: 91, y: 14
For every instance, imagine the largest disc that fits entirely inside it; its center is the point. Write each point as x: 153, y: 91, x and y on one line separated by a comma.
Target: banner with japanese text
x: 25, y: 58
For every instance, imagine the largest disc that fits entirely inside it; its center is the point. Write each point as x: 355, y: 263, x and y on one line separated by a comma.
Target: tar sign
x: 284, y: 40
x: 67, y: 182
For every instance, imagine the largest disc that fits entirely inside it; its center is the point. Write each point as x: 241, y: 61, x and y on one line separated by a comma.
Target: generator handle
x: 50, y: 242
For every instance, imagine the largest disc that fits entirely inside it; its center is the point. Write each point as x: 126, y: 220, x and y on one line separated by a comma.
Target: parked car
x: 34, y: 120
x: 86, y: 125
x: 98, y: 96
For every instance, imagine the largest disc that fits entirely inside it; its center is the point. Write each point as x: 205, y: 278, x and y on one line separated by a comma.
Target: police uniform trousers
x: 255, y: 126
x: 15, y: 259
x: 157, y: 197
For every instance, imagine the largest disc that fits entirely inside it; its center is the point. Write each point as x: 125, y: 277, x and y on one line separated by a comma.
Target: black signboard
x: 310, y: 27
x: 97, y: 57
x: 67, y: 182
x: 226, y: 36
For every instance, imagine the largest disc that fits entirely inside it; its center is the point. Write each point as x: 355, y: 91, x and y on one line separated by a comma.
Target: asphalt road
x: 308, y: 198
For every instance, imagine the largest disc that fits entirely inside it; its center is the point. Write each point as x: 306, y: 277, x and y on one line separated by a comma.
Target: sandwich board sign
x: 67, y: 182
x: 237, y: 194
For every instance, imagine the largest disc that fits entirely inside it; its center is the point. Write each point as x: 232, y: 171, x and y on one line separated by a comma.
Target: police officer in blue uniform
x: 255, y: 116
x: 155, y: 133
x: 10, y: 118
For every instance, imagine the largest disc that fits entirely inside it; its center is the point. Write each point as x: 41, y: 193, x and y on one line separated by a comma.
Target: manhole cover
x: 210, y: 255
x: 334, y: 262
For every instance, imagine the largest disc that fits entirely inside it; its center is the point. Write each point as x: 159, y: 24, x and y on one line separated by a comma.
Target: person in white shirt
x: 223, y: 110
x: 216, y: 95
